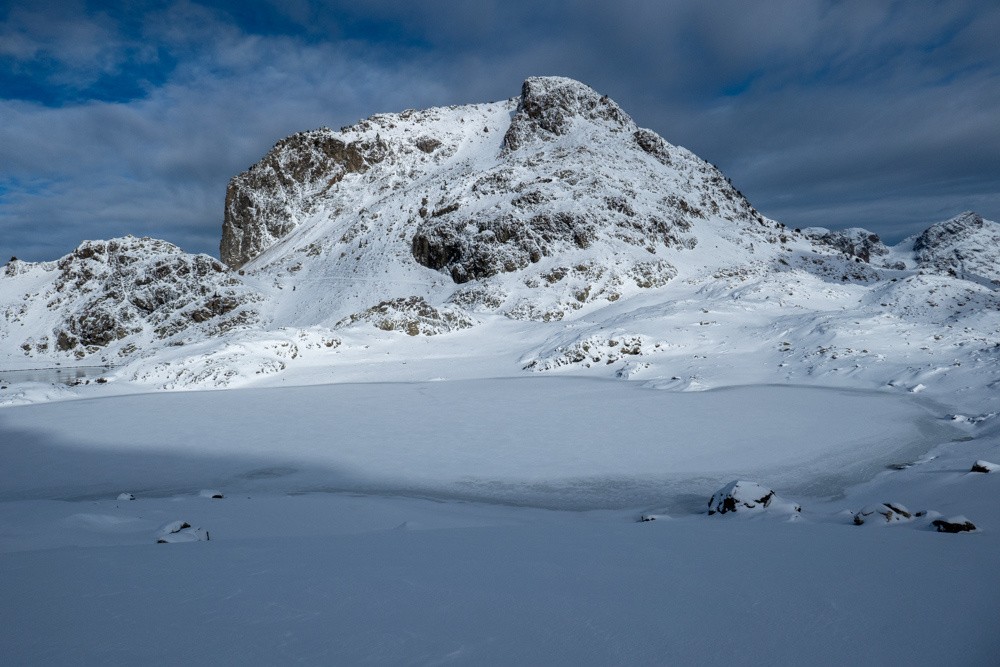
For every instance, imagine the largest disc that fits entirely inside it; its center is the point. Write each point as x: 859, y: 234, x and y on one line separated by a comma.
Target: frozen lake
x: 368, y: 576
x: 562, y: 443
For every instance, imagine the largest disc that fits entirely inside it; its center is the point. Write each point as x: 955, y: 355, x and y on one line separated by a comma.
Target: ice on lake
x: 565, y: 443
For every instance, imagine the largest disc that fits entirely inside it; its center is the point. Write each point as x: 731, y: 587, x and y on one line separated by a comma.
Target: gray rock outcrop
x: 264, y: 203
x: 965, y: 246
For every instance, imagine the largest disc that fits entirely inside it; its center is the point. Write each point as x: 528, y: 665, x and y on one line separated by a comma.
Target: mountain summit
x: 484, y: 189
x: 559, y: 182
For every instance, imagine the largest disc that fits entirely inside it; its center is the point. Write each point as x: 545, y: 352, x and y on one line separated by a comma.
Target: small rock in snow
x: 742, y: 496
x: 181, y: 531
x: 984, y: 466
x: 956, y: 524
x: 126, y: 496
x: 211, y: 493
x: 891, y: 512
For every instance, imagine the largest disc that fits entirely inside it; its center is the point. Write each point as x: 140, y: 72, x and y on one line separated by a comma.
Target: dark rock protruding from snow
x: 855, y: 241
x: 550, y: 103
x: 412, y: 315
x: 741, y: 496
x: 884, y: 513
x: 966, y: 247
x: 956, y: 524
x: 181, y: 531
x: 985, y: 466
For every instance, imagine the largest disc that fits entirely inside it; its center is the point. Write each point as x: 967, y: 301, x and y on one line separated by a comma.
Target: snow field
x: 378, y: 577
x: 559, y: 442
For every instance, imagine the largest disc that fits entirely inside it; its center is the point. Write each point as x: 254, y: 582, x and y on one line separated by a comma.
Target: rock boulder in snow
x: 181, y: 531
x: 748, y: 497
x: 955, y: 524
x: 883, y: 513
x: 985, y: 466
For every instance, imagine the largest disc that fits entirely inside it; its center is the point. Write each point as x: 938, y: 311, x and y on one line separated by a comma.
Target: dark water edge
x: 67, y: 375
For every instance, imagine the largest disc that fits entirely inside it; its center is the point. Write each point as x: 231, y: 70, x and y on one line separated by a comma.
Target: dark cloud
x: 132, y: 119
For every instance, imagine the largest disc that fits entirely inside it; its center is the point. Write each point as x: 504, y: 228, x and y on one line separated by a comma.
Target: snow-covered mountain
x: 546, y: 230
x: 533, y: 208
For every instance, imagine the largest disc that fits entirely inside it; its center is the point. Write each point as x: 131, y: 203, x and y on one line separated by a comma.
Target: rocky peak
x: 948, y: 232
x: 549, y: 104
x: 556, y: 192
x: 966, y: 246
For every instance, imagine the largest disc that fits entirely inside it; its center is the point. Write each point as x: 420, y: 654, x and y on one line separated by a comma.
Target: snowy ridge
x: 118, y: 298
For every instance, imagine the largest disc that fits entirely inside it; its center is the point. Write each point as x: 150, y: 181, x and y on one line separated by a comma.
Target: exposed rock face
x: 748, y: 497
x: 855, y: 241
x: 265, y: 202
x: 966, y: 247
x: 414, y: 316
x: 106, y: 292
x: 549, y: 105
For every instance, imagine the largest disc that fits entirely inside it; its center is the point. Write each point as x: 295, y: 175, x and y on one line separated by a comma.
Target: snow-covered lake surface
x: 493, y: 522
x: 564, y: 443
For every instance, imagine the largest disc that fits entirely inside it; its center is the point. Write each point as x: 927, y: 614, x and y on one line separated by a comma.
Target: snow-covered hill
x: 117, y: 299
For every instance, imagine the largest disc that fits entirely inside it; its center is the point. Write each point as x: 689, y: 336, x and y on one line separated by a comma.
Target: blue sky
x: 131, y: 117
